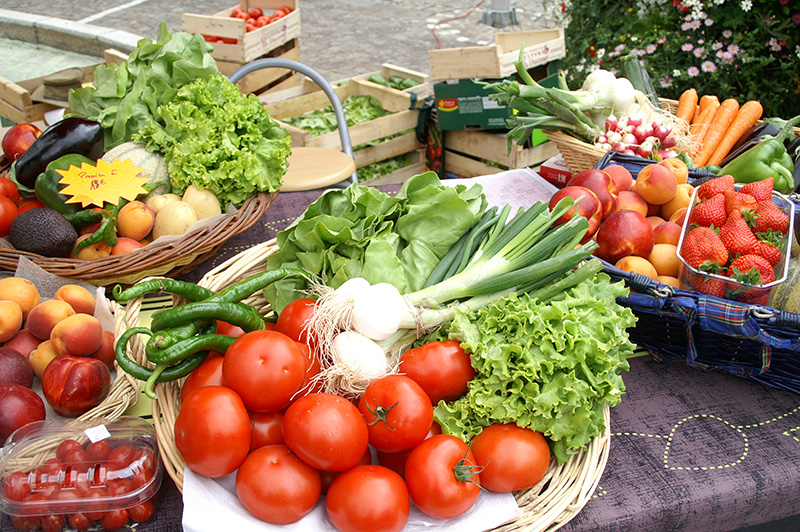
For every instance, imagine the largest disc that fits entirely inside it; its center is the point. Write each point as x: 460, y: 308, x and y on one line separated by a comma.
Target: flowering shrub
x: 743, y: 49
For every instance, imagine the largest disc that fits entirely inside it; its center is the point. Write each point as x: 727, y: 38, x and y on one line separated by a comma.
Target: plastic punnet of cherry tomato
x: 254, y: 19
x: 372, y: 456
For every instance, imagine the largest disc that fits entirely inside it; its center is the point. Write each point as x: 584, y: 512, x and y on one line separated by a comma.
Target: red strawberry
x: 711, y: 286
x: 751, y: 269
x: 710, y: 212
x: 736, y: 235
x: 715, y: 186
x: 702, y: 249
x: 738, y: 201
x: 770, y: 216
x: 768, y: 251
x: 760, y: 190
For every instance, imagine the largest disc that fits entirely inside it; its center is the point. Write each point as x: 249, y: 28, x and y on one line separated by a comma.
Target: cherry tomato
x: 328, y: 476
x: 326, y: 431
x: 8, y: 211
x: 283, y: 9
x: 16, y: 486
x: 114, y: 519
x: 142, y: 512
x: 98, y: 451
x: 26, y: 204
x: 79, y: 521
x: 9, y: 190
x: 96, y: 508
x: 513, y: 458
x: 368, y: 498
x: 27, y: 522
x: 66, y: 447
x: 120, y: 457
x: 442, y: 368
x: 256, y: 12
x: 209, y: 373
x: 276, y: 486
x: 79, y: 460
x: 266, y: 428
x: 397, y: 411
x: 212, y: 431
x: 442, y: 477
x: 261, y: 22
x: 238, y: 12
x: 397, y: 461
x: 260, y: 361
x: 293, y: 319
x: 119, y: 486
x: 53, y: 522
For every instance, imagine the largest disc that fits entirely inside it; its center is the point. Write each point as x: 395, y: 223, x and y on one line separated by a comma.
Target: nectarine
x: 667, y: 233
x: 624, y: 233
x: 79, y: 335
x: 627, y: 200
x: 599, y: 182
x: 589, y: 206
x: 622, y: 176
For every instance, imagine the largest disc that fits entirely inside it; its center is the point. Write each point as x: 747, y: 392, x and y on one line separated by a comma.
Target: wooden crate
x: 497, y: 60
x: 399, y: 176
x: 250, y: 45
x: 265, y: 78
x: 387, y: 70
x: 386, y: 149
x: 465, y: 150
x: 401, y: 120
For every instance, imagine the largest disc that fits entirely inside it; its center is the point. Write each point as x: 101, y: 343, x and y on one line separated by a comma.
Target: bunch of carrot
x: 715, y: 126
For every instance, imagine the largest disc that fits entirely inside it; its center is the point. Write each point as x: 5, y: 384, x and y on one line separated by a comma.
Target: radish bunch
x: 632, y: 136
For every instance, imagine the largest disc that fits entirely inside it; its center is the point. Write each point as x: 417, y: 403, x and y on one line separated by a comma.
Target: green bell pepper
x: 47, y: 186
x: 766, y: 159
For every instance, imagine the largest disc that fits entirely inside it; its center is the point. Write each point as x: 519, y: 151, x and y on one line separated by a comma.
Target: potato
x: 204, y: 202
x: 174, y: 219
x: 159, y: 201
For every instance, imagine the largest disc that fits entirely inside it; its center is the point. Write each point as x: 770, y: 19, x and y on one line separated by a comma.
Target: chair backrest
x: 338, y: 109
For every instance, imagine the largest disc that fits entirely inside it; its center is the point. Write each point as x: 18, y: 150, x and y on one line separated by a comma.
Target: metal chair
x: 312, y: 167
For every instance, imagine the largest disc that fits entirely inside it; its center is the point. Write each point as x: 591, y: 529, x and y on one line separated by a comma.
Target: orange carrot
x: 719, y: 125
x: 686, y: 105
x: 747, y: 116
x: 707, y: 99
x: 701, y: 124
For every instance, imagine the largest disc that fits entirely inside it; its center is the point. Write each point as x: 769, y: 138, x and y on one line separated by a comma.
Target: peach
x: 20, y: 290
x: 96, y: 251
x: 135, y: 220
x: 664, y: 258
x: 601, y: 184
x: 678, y: 167
x: 79, y: 335
x: 624, y: 233
x: 679, y: 216
x: 622, y: 176
x: 24, y: 342
x: 636, y: 264
x: 682, y: 198
x: 105, y: 353
x: 656, y: 184
x: 10, y: 319
x: 653, y: 210
x: 667, y: 233
x: 41, y: 357
x: 44, y: 316
x: 78, y: 297
x: 125, y: 245
x: 589, y: 206
x: 655, y: 221
x: 627, y: 200
x: 669, y: 280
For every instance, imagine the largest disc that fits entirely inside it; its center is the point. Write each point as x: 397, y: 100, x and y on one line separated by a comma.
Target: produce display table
x: 689, y: 450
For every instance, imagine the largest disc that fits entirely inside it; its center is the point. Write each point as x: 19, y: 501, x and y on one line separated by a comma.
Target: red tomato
x: 328, y: 476
x: 142, y: 512
x: 442, y: 368
x: 248, y: 27
x: 261, y: 361
x: 283, y: 9
x: 397, y: 411
x: 79, y: 521
x: 513, y: 458
x: 114, y: 519
x: 293, y: 318
x: 9, y: 190
x: 66, y: 447
x: 276, y: 16
x: 256, y: 12
x: 26, y: 204
x: 312, y: 370
x: 16, y: 486
x: 8, y: 211
x: 261, y: 22
x: 98, y: 451
x: 209, y: 373
x: 442, y: 477
x: 266, y: 428
x: 326, y: 431
x: 368, y: 498
x: 276, y: 486
x: 238, y: 12
x: 96, y: 509
x: 212, y: 431
x: 27, y: 522
x: 223, y: 327
x: 397, y: 461
x: 53, y: 522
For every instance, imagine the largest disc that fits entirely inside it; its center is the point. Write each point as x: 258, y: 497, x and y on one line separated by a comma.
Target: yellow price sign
x: 104, y: 183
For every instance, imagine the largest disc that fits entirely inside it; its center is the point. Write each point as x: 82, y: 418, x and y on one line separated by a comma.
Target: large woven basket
x: 550, y: 504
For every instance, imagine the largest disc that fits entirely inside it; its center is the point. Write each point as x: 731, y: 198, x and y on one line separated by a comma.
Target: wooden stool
x: 311, y: 167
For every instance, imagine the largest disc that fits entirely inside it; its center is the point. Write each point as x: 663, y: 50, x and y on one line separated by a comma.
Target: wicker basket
x: 562, y: 493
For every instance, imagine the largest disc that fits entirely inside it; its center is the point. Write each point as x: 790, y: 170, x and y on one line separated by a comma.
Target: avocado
x: 42, y: 231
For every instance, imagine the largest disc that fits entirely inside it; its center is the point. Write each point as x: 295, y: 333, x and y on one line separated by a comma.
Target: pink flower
x: 796, y: 19
x: 693, y: 71
x: 651, y: 48
x: 708, y: 66
x: 784, y: 2
x: 698, y: 52
x: 687, y: 47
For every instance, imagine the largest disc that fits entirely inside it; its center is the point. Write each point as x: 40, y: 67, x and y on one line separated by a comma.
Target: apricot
x: 620, y: 175
x: 96, y: 251
x: 655, y: 221
x: 627, y: 200
x: 10, y: 319
x: 20, y: 290
x: 79, y: 335
x: 679, y: 216
x: 664, y: 259
x: 24, y: 342
x: 78, y: 297
x: 636, y: 264
x: 667, y: 233
x: 135, y: 220
x: 656, y: 184
x: 125, y: 245
x: 669, y: 280
x: 678, y: 167
x: 44, y: 316
x: 41, y: 357
x: 682, y: 198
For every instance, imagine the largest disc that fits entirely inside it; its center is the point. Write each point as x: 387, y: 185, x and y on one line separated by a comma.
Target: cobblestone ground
x: 340, y: 38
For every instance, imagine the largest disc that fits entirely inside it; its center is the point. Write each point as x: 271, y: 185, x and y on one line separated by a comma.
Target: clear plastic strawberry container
x: 696, y: 280
x: 80, y: 467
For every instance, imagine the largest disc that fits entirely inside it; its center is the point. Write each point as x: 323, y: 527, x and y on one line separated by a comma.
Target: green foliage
x: 743, y: 49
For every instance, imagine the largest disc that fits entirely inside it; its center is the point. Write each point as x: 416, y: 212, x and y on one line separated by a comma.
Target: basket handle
x: 637, y: 281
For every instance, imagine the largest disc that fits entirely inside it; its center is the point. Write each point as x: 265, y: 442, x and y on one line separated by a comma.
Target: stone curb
x: 64, y: 34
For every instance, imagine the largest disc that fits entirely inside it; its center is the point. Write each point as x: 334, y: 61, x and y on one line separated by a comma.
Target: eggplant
x: 70, y: 135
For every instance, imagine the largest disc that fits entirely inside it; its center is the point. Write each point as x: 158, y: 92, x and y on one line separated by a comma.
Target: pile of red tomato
x: 253, y: 19
x: 255, y: 411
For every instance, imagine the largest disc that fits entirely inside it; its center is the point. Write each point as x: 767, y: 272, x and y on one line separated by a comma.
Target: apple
x: 18, y: 139
x: 624, y: 233
x: 599, y: 182
x: 589, y: 207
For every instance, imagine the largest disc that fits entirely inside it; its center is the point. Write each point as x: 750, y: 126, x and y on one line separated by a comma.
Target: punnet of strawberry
x: 736, y: 239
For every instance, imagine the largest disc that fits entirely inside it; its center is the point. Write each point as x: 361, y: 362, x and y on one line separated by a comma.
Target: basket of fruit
x: 274, y: 282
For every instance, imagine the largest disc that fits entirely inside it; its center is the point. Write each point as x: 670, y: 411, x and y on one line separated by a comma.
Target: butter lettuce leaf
x: 548, y: 365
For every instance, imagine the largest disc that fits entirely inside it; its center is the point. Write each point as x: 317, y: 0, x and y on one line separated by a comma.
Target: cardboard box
x: 555, y: 170
x: 265, y: 78
x: 249, y: 45
x: 497, y: 60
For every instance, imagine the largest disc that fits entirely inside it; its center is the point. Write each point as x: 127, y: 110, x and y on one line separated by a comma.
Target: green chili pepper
x: 47, y: 186
x: 238, y: 314
x: 94, y: 238
x: 766, y: 159
x: 83, y: 218
x: 184, y: 289
x: 203, y: 342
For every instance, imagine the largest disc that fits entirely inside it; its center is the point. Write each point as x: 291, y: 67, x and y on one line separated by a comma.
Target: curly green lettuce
x: 548, y: 365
